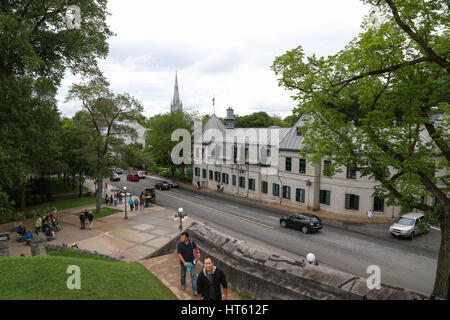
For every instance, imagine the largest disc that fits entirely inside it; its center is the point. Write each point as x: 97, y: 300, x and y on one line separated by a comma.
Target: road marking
x: 198, y: 197
x: 274, y: 218
x: 232, y: 206
x: 222, y: 212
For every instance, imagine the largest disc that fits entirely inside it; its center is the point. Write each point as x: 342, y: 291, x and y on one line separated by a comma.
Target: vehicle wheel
x: 283, y: 224
x: 411, y: 236
x: 305, y: 229
x: 393, y: 235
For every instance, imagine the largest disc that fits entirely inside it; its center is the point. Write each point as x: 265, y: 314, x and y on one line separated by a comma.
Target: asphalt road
x: 404, y: 263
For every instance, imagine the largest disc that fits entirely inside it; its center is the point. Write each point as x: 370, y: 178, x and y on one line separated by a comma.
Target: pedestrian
x: 221, y: 187
x: 115, y: 202
x: 187, y: 250
x: 131, y: 204
x: 111, y: 200
x: 82, y: 219
x: 198, y: 185
x: 106, y: 199
x: 142, y: 201
x: 91, y: 219
x: 209, y: 281
x: 38, y: 225
x: 369, y: 215
x: 136, y: 204
x: 218, y: 187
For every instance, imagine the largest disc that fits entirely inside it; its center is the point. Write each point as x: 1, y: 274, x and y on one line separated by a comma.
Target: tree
x: 159, y: 143
x: 258, y: 120
x: 103, y: 117
x: 36, y: 48
x: 381, y: 104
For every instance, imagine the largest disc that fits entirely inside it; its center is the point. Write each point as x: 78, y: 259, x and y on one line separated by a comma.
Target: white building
x: 294, y: 182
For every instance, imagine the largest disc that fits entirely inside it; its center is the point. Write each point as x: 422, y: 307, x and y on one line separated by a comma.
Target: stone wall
x: 94, y: 253
x: 5, y: 248
x: 267, y: 275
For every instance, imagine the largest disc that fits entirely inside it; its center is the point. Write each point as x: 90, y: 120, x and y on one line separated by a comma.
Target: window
x: 264, y: 186
x: 324, y: 197
x: 286, y: 192
x: 275, y: 189
x: 235, y: 150
x: 197, y: 172
x: 302, y: 166
x: 225, y: 178
x: 300, y: 195
x: 217, y: 176
x: 351, y: 202
x: 378, y: 204
x: 211, y: 175
x: 326, y: 166
x: 234, y: 180
x: 204, y: 173
x: 351, y: 172
x: 242, y: 182
x: 251, y: 184
x: 288, y: 164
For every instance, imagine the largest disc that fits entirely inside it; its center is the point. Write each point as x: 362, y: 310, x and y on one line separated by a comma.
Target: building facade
x: 293, y: 181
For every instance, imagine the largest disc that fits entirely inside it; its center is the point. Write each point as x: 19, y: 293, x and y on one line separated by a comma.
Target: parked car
x: 141, y: 174
x: 115, y: 177
x: 119, y: 171
x: 173, y: 184
x: 407, y: 225
x: 133, y: 177
x: 305, y: 222
x: 163, y: 185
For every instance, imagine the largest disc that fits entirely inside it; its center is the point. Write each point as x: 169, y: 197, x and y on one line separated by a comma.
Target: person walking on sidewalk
x: 369, y: 215
x: 142, y: 202
x: 38, y: 225
x: 90, y: 217
x: 83, y: 219
x: 136, y: 204
x: 187, y: 250
x: 106, y: 199
x: 131, y: 204
x: 209, y: 281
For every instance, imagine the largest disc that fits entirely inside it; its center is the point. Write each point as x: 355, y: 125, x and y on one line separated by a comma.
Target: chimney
x: 229, y: 120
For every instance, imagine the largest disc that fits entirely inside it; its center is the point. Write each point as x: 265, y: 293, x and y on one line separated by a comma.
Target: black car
x: 163, y: 185
x: 305, y: 222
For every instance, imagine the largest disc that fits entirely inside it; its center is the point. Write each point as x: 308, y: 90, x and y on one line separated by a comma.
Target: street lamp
x: 124, y: 193
x: 182, y: 216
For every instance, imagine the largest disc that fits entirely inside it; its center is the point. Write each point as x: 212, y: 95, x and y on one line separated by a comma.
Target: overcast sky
x: 222, y: 48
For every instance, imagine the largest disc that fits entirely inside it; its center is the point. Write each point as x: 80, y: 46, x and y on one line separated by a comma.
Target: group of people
x: 47, y: 225
x: 113, y: 200
x: 207, y: 285
x: 137, y: 202
x: 86, y: 217
x: 220, y: 187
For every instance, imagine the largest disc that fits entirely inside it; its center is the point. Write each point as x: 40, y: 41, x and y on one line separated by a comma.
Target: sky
x: 219, y: 48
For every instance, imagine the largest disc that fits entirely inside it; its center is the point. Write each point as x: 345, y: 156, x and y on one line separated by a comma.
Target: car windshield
x: 406, y: 221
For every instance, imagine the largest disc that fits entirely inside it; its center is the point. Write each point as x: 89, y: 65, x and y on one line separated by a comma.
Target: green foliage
x: 258, y: 120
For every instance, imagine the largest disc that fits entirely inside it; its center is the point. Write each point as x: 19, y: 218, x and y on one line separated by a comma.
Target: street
x: 404, y: 263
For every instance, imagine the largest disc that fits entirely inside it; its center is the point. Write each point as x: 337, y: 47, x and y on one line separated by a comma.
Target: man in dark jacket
x: 83, y: 219
x: 209, y: 281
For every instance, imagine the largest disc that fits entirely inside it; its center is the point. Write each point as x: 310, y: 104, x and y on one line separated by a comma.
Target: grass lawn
x: 60, y: 203
x: 106, y: 211
x: 101, y: 278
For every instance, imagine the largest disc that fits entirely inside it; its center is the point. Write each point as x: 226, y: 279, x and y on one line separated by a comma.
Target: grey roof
x: 214, y: 123
x: 292, y: 141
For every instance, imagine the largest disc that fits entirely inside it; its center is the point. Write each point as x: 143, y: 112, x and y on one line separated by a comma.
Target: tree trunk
x: 80, y: 185
x: 22, y: 197
x: 441, y: 284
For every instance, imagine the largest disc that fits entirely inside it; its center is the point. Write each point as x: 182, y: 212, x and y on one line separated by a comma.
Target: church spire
x: 176, y: 101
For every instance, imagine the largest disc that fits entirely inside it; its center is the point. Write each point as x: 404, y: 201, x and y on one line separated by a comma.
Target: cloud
x: 221, y: 48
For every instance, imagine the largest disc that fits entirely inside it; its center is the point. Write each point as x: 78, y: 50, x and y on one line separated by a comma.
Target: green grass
x: 242, y: 295
x: 106, y: 211
x: 60, y: 203
x: 45, y: 278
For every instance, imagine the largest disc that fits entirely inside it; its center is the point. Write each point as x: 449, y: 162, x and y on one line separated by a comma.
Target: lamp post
x: 124, y: 193
x: 182, y: 216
